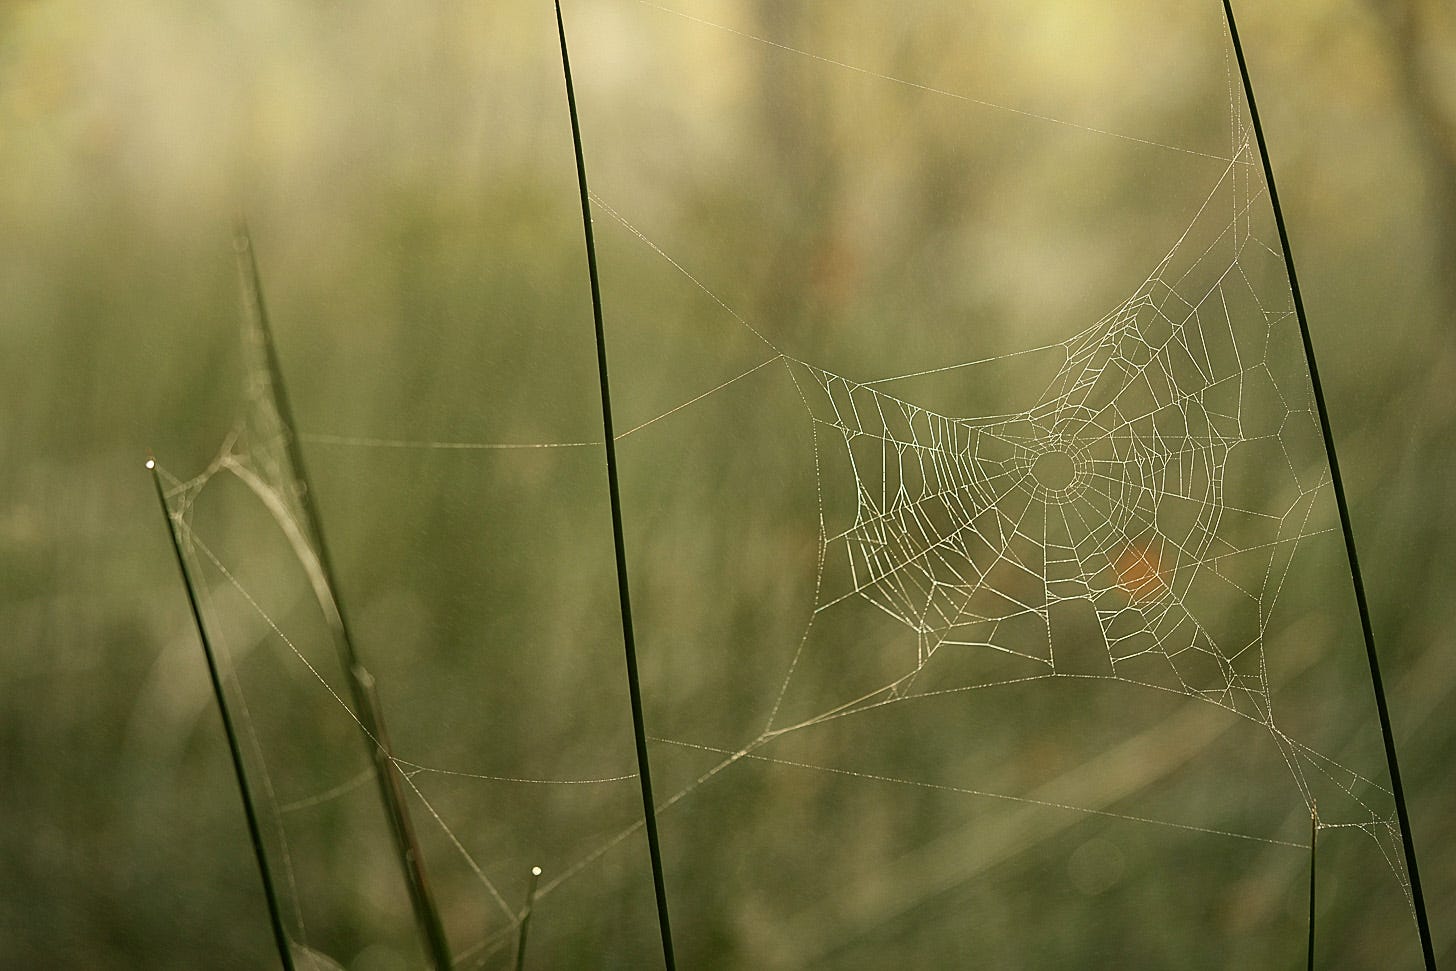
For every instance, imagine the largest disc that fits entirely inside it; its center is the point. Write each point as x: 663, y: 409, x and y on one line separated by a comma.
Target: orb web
x: 1109, y: 487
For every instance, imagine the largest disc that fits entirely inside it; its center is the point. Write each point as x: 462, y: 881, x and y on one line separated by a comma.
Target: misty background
x: 408, y: 178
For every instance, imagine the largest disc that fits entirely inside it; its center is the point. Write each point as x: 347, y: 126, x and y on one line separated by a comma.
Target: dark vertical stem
x: 1313, y: 850
x: 644, y: 773
x: 1418, y: 901
x: 275, y: 912
x: 526, y: 919
x: 361, y: 682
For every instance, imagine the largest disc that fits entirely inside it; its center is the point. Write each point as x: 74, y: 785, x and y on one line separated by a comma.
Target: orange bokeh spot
x: 1140, y: 572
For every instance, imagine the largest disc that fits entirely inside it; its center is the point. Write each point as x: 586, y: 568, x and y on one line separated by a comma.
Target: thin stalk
x: 361, y: 682
x: 644, y: 773
x: 526, y: 919
x: 1313, y: 849
x: 1418, y: 901
x: 275, y: 910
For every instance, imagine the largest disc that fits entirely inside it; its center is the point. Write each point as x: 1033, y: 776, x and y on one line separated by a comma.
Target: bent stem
x: 275, y: 912
x: 644, y: 774
x: 1418, y: 901
x: 320, y: 568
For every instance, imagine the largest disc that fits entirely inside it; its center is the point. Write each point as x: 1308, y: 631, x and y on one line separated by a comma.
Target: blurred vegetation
x: 407, y: 173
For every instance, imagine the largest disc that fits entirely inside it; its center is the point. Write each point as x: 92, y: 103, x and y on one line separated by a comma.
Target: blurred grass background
x: 407, y: 173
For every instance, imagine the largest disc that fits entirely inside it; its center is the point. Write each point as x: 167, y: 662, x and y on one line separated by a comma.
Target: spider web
x: 1111, y: 487
x: 1122, y: 486
x: 1131, y: 519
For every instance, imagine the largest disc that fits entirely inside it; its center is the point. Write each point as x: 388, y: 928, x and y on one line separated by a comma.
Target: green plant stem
x: 1418, y: 902
x: 275, y: 912
x: 644, y: 773
x: 361, y: 683
x: 1313, y: 849
x: 526, y: 918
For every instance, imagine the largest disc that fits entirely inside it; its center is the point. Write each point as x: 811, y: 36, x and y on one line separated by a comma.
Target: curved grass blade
x: 275, y: 915
x: 644, y: 773
x: 269, y: 393
x: 1418, y: 901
